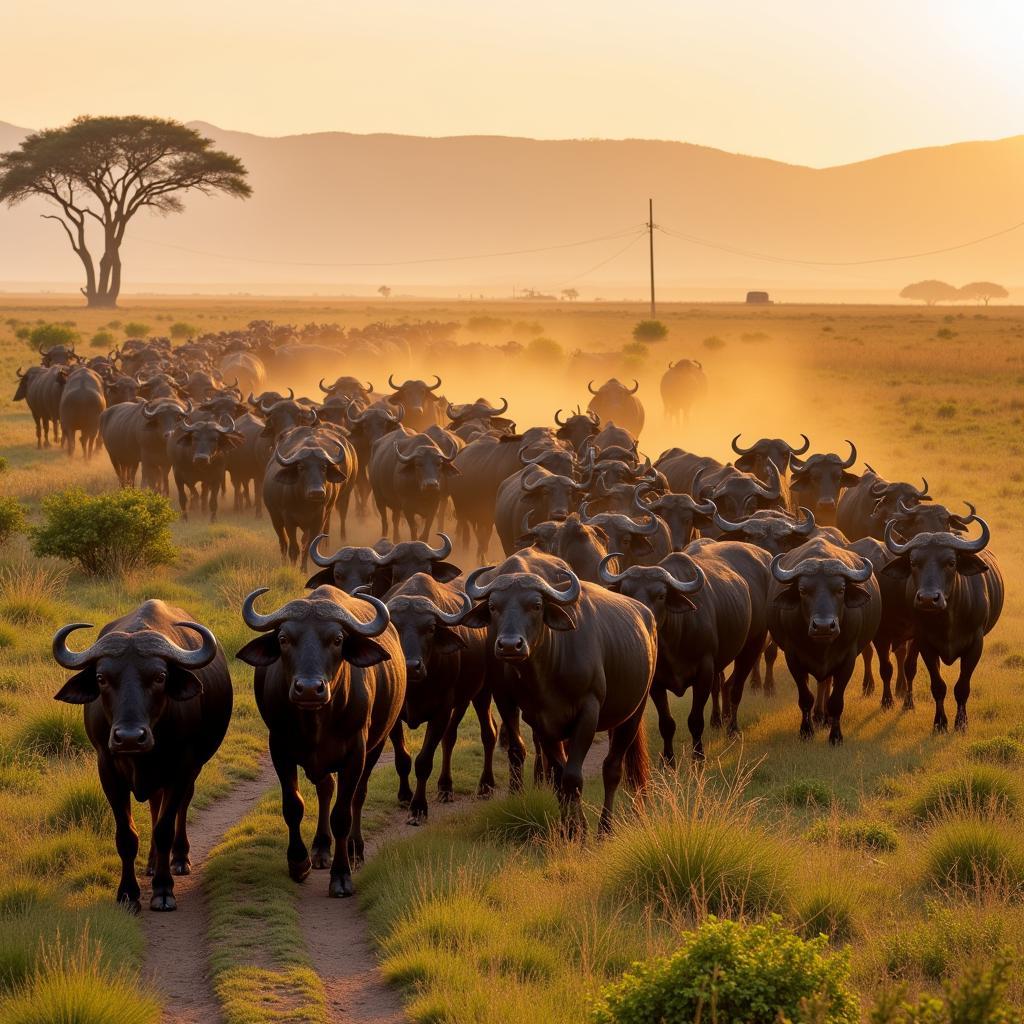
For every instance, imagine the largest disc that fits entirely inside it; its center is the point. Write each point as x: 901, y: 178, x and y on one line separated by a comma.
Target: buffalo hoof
x: 298, y: 870
x: 941, y: 727
x: 181, y: 867
x: 960, y: 724
x: 887, y: 703
x: 418, y: 817
x: 404, y: 796
x: 835, y: 738
x: 733, y: 731
x: 321, y: 858
x: 908, y: 704
x: 163, y: 902
x: 341, y: 886
x: 668, y: 760
x: 485, y: 790
x: 132, y: 905
x: 355, y: 852
x: 807, y: 732
x: 446, y: 796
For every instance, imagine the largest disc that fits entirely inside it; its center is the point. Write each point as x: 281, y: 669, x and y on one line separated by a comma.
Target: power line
x: 693, y: 239
x: 597, y: 266
x: 393, y: 263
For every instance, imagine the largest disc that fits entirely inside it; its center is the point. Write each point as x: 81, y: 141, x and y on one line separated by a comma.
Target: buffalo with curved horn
x: 157, y: 701
x: 613, y: 402
x: 683, y: 385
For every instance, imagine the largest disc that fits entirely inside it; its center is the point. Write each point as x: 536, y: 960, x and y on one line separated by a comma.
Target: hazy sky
x: 807, y: 81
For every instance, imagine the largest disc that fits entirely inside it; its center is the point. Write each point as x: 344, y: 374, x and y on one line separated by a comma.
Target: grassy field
x: 906, y: 849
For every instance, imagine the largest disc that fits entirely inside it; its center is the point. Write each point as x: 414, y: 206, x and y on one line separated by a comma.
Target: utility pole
x: 650, y: 233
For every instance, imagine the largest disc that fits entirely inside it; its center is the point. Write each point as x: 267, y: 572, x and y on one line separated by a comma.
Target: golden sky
x: 806, y: 81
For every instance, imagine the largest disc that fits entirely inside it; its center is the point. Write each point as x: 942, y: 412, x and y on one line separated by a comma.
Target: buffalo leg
x: 910, y: 671
x: 163, y: 837
x: 962, y: 690
x: 702, y: 686
x: 180, y: 863
x: 356, y: 846
x: 771, y: 652
x: 931, y: 662
x: 571, y: 782
x: 885, y: 671
x: 741, y: 669
x: 342, y: 505
x: 836, y: 697
x: 39, y: 432
x: 320, y: 852
x: 425, y: 765
x: 341, y: 819
x: 868, y: 687
x: 804, y: 697
x: 292, y: 809
x: 445, y: 786
x: 621, y: 741
x: 403, y: 763
x: 489, y: 739
x: 212, y: 490
x: 755, y: 677
x: 182, y: 499
x: 126, y: 838
x: 508, y: 712
x: 901, y: 674
x: 821, y: 702
x: 666, y: 723
x: 154, y: 813
x: 716, y: 701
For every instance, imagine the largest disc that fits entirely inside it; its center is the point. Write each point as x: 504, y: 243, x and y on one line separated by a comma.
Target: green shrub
x: 48, y: 335
x: 486, y: 324
x: 23, y: 333
x: 828, y: 907
x: 53, y: 732
x: 974, y: 856
x: 997, y: 750
x: 945, y: 333
x: 522, y: 818
x: 977, y: 788
x: 979, y: 996
x: 182, y: 330
x: 109, y: 534
x: 82, y: 805
x: 545, y: 350
x: 757, y: 974
x: 649, y: 330
x: 855, y: 835
x: 805, y: 792
x: 103, y: 340
x: 12, y: 518
x: 134, y: 329
x: 714, y: 343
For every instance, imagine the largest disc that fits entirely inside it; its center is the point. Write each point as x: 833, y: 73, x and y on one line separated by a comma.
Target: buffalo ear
x: 856, y: 596
x: 287, y: 474
x: 559, y: 618
x: 182, y: 684
x: 789, y: 596
x: 262, y: 651
x: 478, y: 617
x: 336, y: 474
x: 452, y: 470
x: 849, y: 479
x: 444, y: 572
x: 898, y: 568
x: 81, y: 688
x: 678, y: 603
x: 232, y: 440
x: 448, y: 641
x: 362, y: 651
x: 640, y: 544
x: 969, y: 564
x: 323, y: 578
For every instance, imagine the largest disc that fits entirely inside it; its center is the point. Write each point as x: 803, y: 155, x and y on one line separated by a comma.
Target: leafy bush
x: 109, y: 534
x: 804, y: 792
x: 714, y: 343
x: 134, y: 329
x: 486, y: 324
x: 758, y: 974
x: 635, y: 348
x: 997, y: 750
x: 544, y: 350
x: 12, y: 518
x: 979, y: 788
x: 182, y: 330
x: 23, y: 333
x: 103, y: 340
x: 978, y: 997
x: 946, y: 411
x: 649, y: 330
x: 857, y: 835
x: 48, y: 335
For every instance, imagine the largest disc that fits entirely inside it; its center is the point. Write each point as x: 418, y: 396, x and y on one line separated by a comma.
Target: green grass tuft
x: 972, y: 856
x: 56, y: 731
x: 974, y: 789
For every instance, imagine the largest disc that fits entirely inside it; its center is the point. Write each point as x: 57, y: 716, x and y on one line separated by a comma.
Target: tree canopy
x: 930, y: 292
x: 983, y: 291
x: 98, y: 172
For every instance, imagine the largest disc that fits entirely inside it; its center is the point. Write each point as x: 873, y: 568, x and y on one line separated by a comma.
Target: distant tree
x: 181, y: 330
x: 571, y: 294
x: 930, y: 292
x: 134, y: 329
x: 982, y: 291
x: 384, y: 290
x: 48, y: 335
x: 100, y: 171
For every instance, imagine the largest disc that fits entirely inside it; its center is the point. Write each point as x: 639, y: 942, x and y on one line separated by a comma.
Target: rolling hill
x: 337, y: 198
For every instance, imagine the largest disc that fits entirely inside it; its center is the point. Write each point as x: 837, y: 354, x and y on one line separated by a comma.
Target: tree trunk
x: 109, y: 287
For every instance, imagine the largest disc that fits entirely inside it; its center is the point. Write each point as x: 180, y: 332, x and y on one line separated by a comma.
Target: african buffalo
x: 329, y: 684
x: 422, y: 406
x: 198, y: 455
x: 816, y: 482
x: 866, y: 507
x: 157, y: 698
x: 81, y: 405
x: 613, y: 401
x: 683, y: 384
x: 755, y: 459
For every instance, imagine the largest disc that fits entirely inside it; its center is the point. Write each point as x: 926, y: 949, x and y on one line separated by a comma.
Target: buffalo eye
x: 282, y: 639
x: 159, y: 678
x: 101, y: 679
x: 339, y: 639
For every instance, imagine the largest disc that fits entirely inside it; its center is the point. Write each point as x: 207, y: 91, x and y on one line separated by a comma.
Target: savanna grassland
x: 906, y: 849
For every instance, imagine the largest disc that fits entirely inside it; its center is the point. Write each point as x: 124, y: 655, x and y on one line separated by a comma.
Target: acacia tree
x: 385, y: 291
x: 571, y: 294
x: 929, y: 292
x: 983, y: 291
x: 98, y: 172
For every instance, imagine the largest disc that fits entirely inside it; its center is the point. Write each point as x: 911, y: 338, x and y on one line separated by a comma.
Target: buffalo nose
x: 129, y: 737
x: 307, y: 688
x: 202, y: 458
x: 430, y: 485
x: 414, y: 666
x: 929, y: 599
x: 559, y: 515
x: 824, y: 627
x: 315, y: 492
x: 827, y: 503
x: 511, y: 647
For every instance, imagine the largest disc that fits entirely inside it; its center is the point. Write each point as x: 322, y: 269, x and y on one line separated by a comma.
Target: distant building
x: 758, y: 299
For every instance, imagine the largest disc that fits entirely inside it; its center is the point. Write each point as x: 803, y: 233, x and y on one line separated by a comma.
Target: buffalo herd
x: 622, y: 579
